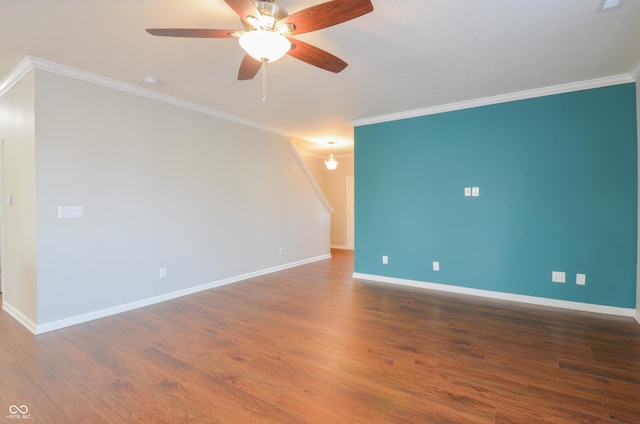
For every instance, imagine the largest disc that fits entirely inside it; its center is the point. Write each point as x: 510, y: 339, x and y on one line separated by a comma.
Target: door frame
x: 350, y: 213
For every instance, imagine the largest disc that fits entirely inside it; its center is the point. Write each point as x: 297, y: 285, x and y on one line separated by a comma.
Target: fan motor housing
x: 270, y: 14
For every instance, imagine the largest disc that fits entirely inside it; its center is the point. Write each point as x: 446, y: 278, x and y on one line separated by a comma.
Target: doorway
x: 350, y: 213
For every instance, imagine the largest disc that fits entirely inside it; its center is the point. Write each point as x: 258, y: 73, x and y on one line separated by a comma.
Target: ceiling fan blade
x: 315, y: 56
x: 193, y: 32
x: 248, y: 68
x: 243, y: 8
x: 326, y: 14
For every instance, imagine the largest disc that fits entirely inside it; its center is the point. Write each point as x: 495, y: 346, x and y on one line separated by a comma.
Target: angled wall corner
x: 17, y: 131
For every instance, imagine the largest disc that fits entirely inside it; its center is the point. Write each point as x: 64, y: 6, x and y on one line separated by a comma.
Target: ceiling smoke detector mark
x: 609, y: 4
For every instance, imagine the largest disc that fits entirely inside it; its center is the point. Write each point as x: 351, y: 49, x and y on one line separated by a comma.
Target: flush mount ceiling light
x: 330, y: 162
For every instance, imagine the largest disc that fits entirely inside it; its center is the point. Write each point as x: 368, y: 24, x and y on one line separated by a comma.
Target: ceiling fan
x: 268, y: 31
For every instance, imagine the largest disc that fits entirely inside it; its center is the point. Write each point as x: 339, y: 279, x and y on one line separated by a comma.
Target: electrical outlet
x: 436, y: 266
x: 467, y: 191
x: 162, y: 273
x: 385, y: 260
x: 558, y: 277
x: 581, y: 279
x: 475, y: 191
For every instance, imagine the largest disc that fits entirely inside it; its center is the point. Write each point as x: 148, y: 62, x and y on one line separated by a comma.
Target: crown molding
x: 16, y: 74
x: 30, y: 62
x: 503, y: 98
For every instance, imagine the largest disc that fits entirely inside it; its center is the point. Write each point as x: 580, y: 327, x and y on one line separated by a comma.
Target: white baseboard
x: 637, y: 314
x: 90, y: 316
x: 541, y: 301
x: 19, y: 316
x: 335, y: 246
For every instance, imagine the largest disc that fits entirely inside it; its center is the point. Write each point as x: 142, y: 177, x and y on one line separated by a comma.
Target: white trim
x: 335, y: 246
x: 503, y: 98
x: 541, y: 301
x: 19, y: 316
x: 637, y: 315
x: 16, y: 74
x: 30, y: 62
x: 90, y: 316
x: 635, y: 71
x: 350, y: 216
x: 311, y: 179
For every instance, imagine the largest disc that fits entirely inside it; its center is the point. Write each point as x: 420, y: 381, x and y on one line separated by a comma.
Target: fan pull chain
x: 264, y: 81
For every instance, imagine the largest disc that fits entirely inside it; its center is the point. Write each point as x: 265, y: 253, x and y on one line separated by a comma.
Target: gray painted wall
x: 161, y: 187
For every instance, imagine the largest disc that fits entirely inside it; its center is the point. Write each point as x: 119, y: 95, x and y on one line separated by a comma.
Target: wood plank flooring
x: 312, y: 345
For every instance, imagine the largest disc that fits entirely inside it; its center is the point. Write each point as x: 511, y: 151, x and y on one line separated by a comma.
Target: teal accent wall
x: 558, y: 192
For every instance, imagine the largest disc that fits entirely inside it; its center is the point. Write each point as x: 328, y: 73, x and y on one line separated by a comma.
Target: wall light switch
x: 9, y: 200
x: 467, y: 191
x: 581, y: 279
x: 475, y: 191
x: 385, y: 260
x: 558, y: 277
x: 70, y: 211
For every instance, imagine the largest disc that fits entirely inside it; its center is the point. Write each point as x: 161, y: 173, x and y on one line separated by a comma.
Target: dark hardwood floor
x: 311, y: 345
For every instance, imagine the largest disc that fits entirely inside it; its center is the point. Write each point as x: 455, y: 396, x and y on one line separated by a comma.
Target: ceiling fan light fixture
x: 263, y: 22
x: 265, y: 45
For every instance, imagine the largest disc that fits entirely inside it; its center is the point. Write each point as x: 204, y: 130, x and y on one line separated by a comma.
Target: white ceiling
x: 405, y: 55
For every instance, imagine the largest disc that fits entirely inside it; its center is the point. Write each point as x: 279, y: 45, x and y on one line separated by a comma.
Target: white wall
x: 161, y: 186
x: 18, y: 226
x: 336, y: 192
